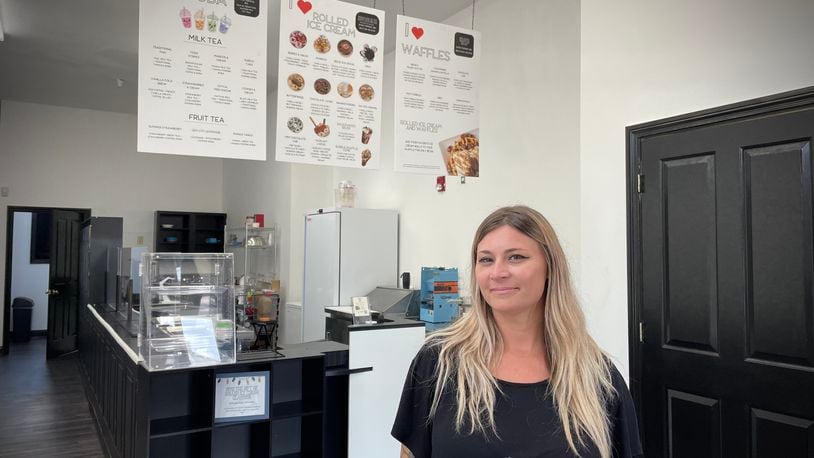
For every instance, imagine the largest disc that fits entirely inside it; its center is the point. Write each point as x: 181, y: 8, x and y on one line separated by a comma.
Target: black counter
x: 170, y: 413
x: 339, y: 323
x: 127, y: 333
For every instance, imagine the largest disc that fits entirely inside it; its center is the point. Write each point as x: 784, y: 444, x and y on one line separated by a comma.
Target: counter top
x: 395, y: 320
x: 125, y: 333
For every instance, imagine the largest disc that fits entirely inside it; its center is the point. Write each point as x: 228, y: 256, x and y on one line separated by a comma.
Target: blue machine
x: 439, y: 294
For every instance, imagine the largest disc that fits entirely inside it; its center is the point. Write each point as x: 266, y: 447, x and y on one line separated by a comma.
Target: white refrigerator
x: 348, y: 252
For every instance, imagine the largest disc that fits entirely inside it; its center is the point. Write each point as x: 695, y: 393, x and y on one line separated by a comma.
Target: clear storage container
x: 187, y: 310
x: 256, y: 265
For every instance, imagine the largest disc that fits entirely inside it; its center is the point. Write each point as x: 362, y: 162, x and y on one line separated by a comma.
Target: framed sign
x: 436, y: 109
x: 330, y: 84
x: 202, y: 78
x: 361, y: 309
x: 242, y: 396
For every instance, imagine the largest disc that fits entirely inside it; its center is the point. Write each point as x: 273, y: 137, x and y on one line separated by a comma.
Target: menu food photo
x: 330, y: 84
x: 436, y: 98
x: 202, y: 78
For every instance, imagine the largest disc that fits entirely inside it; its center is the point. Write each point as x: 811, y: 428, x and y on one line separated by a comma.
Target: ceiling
x: 70, y: 53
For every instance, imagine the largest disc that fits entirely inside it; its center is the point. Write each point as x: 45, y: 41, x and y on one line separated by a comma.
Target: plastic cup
x: 212, y: 23
x: 345, y: 195
x: 199, y: 20
x: 225, y: 23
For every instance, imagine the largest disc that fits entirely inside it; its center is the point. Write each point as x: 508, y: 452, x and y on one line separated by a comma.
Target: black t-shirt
x: 525, y: 417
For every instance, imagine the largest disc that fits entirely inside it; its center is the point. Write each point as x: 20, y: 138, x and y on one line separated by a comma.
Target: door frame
x: 11, y: 210
x: 753, y: 108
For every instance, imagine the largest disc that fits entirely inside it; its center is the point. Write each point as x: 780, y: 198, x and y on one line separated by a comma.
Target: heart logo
x: 304, y: 6
x: 418, y: 32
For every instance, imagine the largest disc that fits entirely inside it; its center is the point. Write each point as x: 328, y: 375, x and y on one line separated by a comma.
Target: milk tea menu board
x: 436, y: 91
x: 329, y: 100
x: 202, y: 78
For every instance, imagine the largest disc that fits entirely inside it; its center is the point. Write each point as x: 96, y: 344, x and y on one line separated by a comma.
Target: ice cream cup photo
x: 225, y: 23
x: 297, y: 39
x: 186, y: 17
x: 344, y: 89
x: 366, y: 133
x: 321, y: 129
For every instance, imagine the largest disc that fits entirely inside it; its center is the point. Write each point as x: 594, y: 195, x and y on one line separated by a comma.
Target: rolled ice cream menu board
x: 329, y: 101
x: 202, y: 78
x: 436, y: 98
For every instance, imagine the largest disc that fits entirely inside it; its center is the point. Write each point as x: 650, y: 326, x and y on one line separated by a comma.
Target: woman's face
x: 511, y: 270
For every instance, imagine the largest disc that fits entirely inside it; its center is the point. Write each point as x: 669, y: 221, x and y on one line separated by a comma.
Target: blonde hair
x: 580, y: 373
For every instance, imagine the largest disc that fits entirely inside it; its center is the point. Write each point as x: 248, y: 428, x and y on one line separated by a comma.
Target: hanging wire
x: 374, y: 3
x: 473, y: 15
x: 403, y: 10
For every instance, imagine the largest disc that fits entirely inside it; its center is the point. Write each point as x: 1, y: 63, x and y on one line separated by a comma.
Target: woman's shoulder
x: 617, y: 379
x: 426, y: 359
x: 422, y: 372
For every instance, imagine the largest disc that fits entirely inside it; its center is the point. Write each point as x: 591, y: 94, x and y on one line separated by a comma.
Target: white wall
x: 530, y: 145
x: 28, y: 280
x: 529, y: 104
x: 644, y: 60
x: 64, y: 157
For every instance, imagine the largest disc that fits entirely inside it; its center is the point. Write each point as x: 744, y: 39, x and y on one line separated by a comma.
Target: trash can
x: 22, y: 308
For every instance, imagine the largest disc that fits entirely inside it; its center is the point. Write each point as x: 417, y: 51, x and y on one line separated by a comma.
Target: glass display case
x: 187, y: 314
x: 256, y: 265
x: 255, y: 252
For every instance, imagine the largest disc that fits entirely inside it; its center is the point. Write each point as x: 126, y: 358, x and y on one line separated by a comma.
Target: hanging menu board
x: 202, y: 78
x: 436, y: 98
x: 329, y: 100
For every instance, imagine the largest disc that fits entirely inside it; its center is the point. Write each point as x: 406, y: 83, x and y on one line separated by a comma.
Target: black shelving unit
x: 189, y: 232
x: 171, y: 413
x: 182, y: 421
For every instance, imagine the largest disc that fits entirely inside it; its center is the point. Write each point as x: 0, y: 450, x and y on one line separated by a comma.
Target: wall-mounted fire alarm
x: 441, y: 184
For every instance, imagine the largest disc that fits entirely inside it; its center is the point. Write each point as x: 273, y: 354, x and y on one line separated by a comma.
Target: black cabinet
x: 187, y: 232
x: 171, y: 413
x: 182, y: 421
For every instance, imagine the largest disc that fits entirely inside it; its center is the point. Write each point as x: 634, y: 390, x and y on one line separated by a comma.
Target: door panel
x: 776, y: 434
x: 779, y: 255
x: 725, y: 275
x: 63, y: 300
x: 695, y: 425
x: 690, y: 305
x: 321, y: 272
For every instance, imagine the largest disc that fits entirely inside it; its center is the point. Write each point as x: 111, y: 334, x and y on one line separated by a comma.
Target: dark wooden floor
x: 43, y: 409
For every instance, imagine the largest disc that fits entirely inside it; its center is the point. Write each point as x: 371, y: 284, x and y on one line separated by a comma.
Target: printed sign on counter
x: 436, y: 98
x: 202, y: 78
x: 242, y: 396
x: 329, y: 100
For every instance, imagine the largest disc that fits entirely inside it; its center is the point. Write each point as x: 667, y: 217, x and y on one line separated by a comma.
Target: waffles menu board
x: 202, y: 78
x: 330, y: 84
x: 436, y: 91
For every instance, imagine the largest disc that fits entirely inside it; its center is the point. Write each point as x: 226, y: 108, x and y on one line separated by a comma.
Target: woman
x: 517, y: 376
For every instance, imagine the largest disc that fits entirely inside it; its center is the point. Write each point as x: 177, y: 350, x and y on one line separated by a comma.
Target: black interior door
x: 724, y: 284
x: 63, y: 283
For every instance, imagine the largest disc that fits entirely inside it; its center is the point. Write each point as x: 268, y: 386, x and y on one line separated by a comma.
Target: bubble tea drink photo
x: 212, y: 23
x: 225, y: 23
x: 199, y: 19
x: 186, y: 17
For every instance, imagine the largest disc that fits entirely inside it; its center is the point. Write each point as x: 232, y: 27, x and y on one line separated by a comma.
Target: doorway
x: 720, y: 262
x: 42, y: 260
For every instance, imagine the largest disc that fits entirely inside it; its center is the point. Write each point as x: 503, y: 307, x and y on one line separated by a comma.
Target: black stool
x: 262, y: 331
